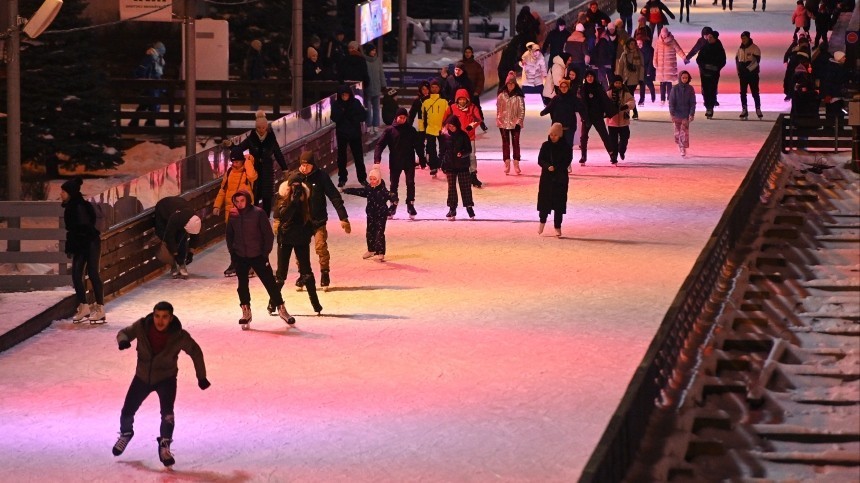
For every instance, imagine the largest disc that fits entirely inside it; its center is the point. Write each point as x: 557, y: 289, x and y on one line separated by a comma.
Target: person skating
x: 250, y: 240
x: 534, y: 69
x: 510, y: 115
x: 456, y: 153
x: 554, y: 158
x: 403, y: 143
x: 647, y: 51
x: 434, y: 108
x: 469, y: 119
x: 595, y: 107
x: 631, y: 68
x: 619, y: 124
x: 711, y: 59
x: 83, y: 246
x: 682, y: 110
x: 456, y: 80
x: 555, y: 39
x: 263, y: 146
x: 377, y: 212
x: 475, y: 72
x: 240, y: 175
x: 562, y: 109
x: 666, y: 52
x: 294, y: 226
x: 321, y: 188
x: 160, y: 337
x: 175, y: 222
x: 657, y: 12
x: 747, y: 61
x: 347, y: 113
x: 416, y: 111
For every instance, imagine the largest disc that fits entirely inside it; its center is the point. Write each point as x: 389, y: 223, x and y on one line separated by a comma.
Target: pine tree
x: 66, y: 104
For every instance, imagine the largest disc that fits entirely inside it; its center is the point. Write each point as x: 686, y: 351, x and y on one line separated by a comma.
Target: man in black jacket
x: 554, y: 42
x: 353, y: 67
x: 263, y: 146
x: 403, y: 143
x: 711, y: 59
x: 348, y: 114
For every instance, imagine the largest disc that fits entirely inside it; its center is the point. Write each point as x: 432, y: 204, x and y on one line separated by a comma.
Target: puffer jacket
x: 293, y: 227
x: 555, y: 74
x: 233, y: 181
x: 666, y: 52
x: 321, y: 187
x: 747, y: 60
x: 154, y: 368
x: 249, y: 234
x: 469, y: 116
x: 534, y: 69
x: 577, y: 48
x: 510, y: 109
x: 682, y: 100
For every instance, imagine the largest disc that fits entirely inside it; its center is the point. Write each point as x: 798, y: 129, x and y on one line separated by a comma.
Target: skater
x: 321, y: 188
x: 160, y: 337
x: 403, y: 143
x: 631, y: 68
x: 700, y: 42
x: 682, y: 110
x: 240, y: 175
x: 263, y: 146
x: 747, y: 61
x: 619, y: 124
x: 377, y: 213
x: 510, y: 115
x: 595, y: 107
x: 347, y: 113
x: 534, y: 69
x: 475, y: 72
x: 711, y: 59
x: 459, y: 80
x: 650, y: 71
x: 800, y: 18
x: 578, y: 50
x: 294, y: 226
x: 554, y: 42
x: 554, y: 158
x: 250, y: 239
x: 456, y: 154
x: 657, y: 12
x: 562, y: 110
x: 175, y: 222
x: 469, y: 119
x: 685, y: 3
x: 416, y: 111
x: 434, y: 109
x: 83, y: 246
x: 626, y: 8
x: 666, y: 52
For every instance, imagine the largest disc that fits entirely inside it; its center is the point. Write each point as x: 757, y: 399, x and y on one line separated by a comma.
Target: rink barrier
x: 15, y: 252
x: 649, y: 387
x: 814, y: 135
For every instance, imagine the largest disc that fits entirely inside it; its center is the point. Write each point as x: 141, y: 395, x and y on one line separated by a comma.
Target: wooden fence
x: 26, y: 238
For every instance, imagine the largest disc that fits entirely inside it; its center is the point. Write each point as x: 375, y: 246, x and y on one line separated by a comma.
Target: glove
x: 346, y: 226
x: 686, y: 61
x: 469, y: 127
x: 203, y: 383
x: 216, y: 211
x: 124, y: 344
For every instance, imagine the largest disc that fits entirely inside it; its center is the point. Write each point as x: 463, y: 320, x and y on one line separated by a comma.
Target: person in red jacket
x: 469, y: 118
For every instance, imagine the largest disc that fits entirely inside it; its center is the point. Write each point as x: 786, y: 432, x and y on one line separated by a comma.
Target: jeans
x: 374, y: 114
x: 264, y: 273
x: 88, y: 262
x: 138, y: 392
x: 354, y: 145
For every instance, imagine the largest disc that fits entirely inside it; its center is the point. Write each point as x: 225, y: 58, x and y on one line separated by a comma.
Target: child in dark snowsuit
x: 377, y: 212
x: 455, y: 153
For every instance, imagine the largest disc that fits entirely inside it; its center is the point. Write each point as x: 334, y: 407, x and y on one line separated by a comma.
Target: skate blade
x: 245, y: 326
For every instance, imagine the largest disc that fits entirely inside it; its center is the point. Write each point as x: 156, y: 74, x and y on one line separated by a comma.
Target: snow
x: 479, y: 350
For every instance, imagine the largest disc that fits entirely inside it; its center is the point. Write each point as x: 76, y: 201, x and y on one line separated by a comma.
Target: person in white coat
x: 510, y: 114
x: 534, y: 69
x: 557, y: 71
x: 666, y: 52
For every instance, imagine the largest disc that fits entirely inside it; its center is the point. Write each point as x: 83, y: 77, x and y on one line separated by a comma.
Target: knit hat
x: 556, y: 129
x: 193, y: 225
x: 560, y: 21
x: 375, y: 172
x: 745, y: 33
x: 706, y: 31
x: 73, y: 186
x: 307, y: 157
x: 435, y: 82
x: 617, y: 78
x: 368, y: 48
x: 511, y: 77
x: 715, y: 34
x: 237, y: 154
x: 401, y: 111
x: 839, y: 56
x: 352, y: 45
x: 460, y: 65
x: 580, y: 27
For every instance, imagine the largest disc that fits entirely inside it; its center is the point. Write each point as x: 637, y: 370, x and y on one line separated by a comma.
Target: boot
x: 744, y: 114
x: 122, y: 442
x: 452, y: 214
x: 285, y: 316
x: 81, y: 314
x: 230, y: 271
x: 325, y: 280
x: 540, y: 228
x: 97, y: 314
x: 410, y: 208
x: 164, y: 453
x: 517, y: 166
x: 759, y: 113
x: 310, y: 284
x: 300, y: 282
x: 245, y: 321
x: 475, y: 181
x: 507, y: 166
x: 558, y: 232
x: 368, y: 254
x: 471, y: 212
x: 392, y: 210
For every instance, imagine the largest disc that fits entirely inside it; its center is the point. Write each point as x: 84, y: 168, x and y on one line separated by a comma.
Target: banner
x: 156, y: 10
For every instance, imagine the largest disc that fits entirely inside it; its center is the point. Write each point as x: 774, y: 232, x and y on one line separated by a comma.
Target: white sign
x: 152, y: 10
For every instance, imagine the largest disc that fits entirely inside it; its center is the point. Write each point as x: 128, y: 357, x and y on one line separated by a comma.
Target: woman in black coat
x: 83, y: 246
x: 263, y: 146
x: 294, y: 226
x: 554, y: 159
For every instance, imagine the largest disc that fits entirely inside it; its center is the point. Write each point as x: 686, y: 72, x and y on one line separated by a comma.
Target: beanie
x: 375, y: 172
x: 839, y: 56
x: 580, y: 27
x: 435, y: 82
x: 706, y: 31
x: 617, y: 78
x: 73, y: 186
x: 352, y: 45
x: 237, y: 154
x: 193, y: 225
x: 307, y: 157
x: 511, y: 77
x: 401, y: 111
x: 745, y: 33
x: 556, y: 129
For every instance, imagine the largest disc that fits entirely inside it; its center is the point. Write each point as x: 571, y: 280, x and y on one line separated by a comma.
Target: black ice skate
x: 230, y: 271
x: 471, y: 212
x: 164, y: 453
x: 410, y: 208
x: 392, y: 210
x: 122, y: 442
x: 475, y: 181
x: 325, y: 280
x: 744, y: 114
x: 452, y: 214
x: 300, y: 283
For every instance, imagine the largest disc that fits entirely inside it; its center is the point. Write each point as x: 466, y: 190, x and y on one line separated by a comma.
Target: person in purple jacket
x: 682, y: 109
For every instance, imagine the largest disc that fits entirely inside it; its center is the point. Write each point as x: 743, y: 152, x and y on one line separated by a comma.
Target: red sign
x: 851, y: 37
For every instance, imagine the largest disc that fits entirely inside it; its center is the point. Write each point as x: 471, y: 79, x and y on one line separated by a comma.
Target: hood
x: 246, y: 194
x: 576, y: 36
x: 342, y: 89
x: 682, y: 73
x: 665, y: 36
x: 453, y: 120
x: 561, y: 59
x: 462, y: 93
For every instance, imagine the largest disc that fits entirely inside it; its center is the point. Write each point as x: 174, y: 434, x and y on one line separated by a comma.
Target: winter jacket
x: 799, y: 17
x: 154, y: 368
x: 453, y: 84
x: 171, y: 215
x: 293, y: 227
x: 510, y: 109
x: 353, y: 68
x: 595, y: 103
x: 321, y: 187
x: 657, y: 11
x: 312, y: 71
x: 711, y: 59
x: 233, y: 181
x: 79, y: 217
x: 666, y: 52
x: 435, y: 106
x: 415, y: 110
x: 622, y: 99
x: 249, y: 234
x: 626, y: 7
x: 375, y: 77
x: 647, y: 52
x: 468, y: 115
x: 552, y: 187
x: 557, y: 71
x: 403, y: 143
x: 562, y: 108
x: 554, y: 42
x: 604, y: 52
x: 347, y: 115
x: 264, y: 150
x: 629, y: 66
x: 593, y: 19
x: 377, y: 199
x: 454, y: 149
x: 747, y: 60
x: 534, y: 69
x: 682, y: 100
x: 833, y: 80
x: 577, y: 48
x: 475, y: 73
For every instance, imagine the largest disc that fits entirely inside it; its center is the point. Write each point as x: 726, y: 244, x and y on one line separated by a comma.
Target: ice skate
x: 392, y: 210
x: 174, y: 270
x: 285, y: 316
x: 683, y: 151
x: 83, y: 313
x: 300, y: 283
x: 471, y: 212
x: 325, y: 280
x: 744, y: 114
x: 368, y: 254
x: 709, y: 113
x: 540, y: 228
x: 380, y: 257
x: 582, y: 161
x: 271, y: 310
x: 433, y: 173
x: 759, y: 113
x: 230, y: 271
x: 475, y: 181
x: 452, y: 214
x: 164, y: 453
x: 97, y: 314
x: 245, y: 321
x: 122, y: 442
x: 507, y: 166
x: 558, y: 232
x: 410, y: 208
x: 517, y: 166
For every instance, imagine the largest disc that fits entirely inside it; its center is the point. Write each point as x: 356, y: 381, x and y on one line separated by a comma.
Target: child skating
x: 456, y: 151
x: 160, y: 337
x: 682, y: 109
x: 377, y: 212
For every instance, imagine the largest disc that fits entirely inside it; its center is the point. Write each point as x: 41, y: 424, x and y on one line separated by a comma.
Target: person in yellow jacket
x: 434, y: 108
x: 240, y: 175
